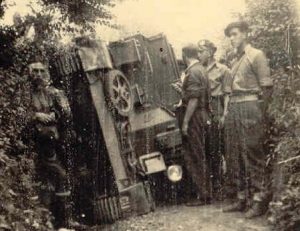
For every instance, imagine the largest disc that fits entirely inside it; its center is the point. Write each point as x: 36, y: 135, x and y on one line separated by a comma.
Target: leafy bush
x: 275, y: 29
x: 20, y: 208
x: 83, y: 12
x: 285, y: 108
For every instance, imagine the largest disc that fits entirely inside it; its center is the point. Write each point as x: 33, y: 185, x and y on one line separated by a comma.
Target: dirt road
x: 177, y: 218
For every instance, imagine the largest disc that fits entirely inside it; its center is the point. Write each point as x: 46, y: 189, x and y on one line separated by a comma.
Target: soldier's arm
x: 226, y: 88
x: 191, y: 107
x: 226, y: 102
x: 262, y: 69
x: 62, y: 103
x: 35, y: 117
x: 44, y: 117
x: 194, y: 90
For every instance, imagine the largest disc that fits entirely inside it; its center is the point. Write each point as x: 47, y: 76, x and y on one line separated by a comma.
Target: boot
x: 196, y: 202
x: 237, y: 206
x: 74, y: 225
x: 256, y: 210
x: 199, y: 201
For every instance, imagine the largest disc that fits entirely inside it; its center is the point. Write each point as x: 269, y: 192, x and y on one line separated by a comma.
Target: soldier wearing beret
x: 195, y: 104
x: 245, y: 156
x: 220, y: 85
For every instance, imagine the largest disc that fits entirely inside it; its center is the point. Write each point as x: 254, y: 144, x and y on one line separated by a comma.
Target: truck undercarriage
x: 127, y: 135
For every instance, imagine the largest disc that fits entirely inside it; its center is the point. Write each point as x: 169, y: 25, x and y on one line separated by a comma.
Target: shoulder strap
x: 237, y: 66
x: 252, y: 69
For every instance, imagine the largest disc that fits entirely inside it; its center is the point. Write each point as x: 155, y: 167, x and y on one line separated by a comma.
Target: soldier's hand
x: 40, y: 117
x: 51, y: 117
x: 222, y: 122
x: 222, y: 119
x: 184, y: 129
x: 44, y: 117
x: 177, y: 86
x: 179, y: 104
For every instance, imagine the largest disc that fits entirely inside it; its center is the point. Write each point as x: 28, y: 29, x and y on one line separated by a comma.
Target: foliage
x: 285, y: 211
x: 2, y: 7
x: 270, y: 20
x: 275, y: 29
x: 7, y: 49
x: 20, y: 208
x: 57, y: 18
x: 82, y: 12
x: 285, y: 110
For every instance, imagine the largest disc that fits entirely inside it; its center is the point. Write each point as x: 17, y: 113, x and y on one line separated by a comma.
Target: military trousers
x: 216, y: 146
x: 245, y: 156
x: 194, y: 148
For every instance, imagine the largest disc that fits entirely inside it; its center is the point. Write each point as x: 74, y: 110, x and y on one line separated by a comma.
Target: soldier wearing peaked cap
x: 220, y: 85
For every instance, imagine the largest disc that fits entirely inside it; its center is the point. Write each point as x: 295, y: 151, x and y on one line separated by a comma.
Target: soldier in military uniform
x: 220, y: 85
x: 49, y: 107
x: 245, y: 156
x: 195, y: 104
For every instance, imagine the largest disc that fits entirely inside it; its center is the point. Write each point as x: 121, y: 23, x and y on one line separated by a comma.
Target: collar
x: 214, y: 63
x: 192, y: 64
x: 247, y: 48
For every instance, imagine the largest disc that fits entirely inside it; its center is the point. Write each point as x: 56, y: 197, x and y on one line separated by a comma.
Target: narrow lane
x: 177, y: 218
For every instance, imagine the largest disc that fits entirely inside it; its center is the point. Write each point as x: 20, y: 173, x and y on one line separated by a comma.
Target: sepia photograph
x: 149, y: 115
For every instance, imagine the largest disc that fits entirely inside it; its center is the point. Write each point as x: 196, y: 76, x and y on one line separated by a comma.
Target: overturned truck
x: 128, y: 137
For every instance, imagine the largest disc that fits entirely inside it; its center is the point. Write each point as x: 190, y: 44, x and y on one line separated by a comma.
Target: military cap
x: 242, y: 25
x: 206, y: 44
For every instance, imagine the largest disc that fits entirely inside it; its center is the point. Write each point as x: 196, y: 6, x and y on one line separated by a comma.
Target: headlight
x: 174, y: 173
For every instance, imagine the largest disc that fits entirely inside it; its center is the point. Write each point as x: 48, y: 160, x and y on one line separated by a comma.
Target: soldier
x: 195, y: 103
x: 49, y: 107
x: 245, y: 156
x: 220, y: 85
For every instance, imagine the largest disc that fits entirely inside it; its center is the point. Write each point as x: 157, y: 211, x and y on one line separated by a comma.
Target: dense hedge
x: 285, y: 141
x: 19, y: 208
x: 275, y: 29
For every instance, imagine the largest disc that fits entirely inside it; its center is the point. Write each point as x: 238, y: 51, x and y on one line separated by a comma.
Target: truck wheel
x: 119, y: 92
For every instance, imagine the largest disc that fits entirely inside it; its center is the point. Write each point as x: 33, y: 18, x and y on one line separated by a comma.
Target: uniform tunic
x: 196, y: 85
x: 220, y: 84
x: 245, y: 155
x: 47, y: 136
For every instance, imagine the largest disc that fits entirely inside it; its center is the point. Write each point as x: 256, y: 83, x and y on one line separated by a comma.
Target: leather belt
x: 243, y: 98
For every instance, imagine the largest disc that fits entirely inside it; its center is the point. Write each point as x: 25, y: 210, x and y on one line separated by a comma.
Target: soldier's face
x: 237, y: 38
x: 203, y: 56
x: 39, y: 74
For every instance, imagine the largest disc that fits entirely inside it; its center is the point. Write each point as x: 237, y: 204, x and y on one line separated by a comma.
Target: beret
x: 242, y: 25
